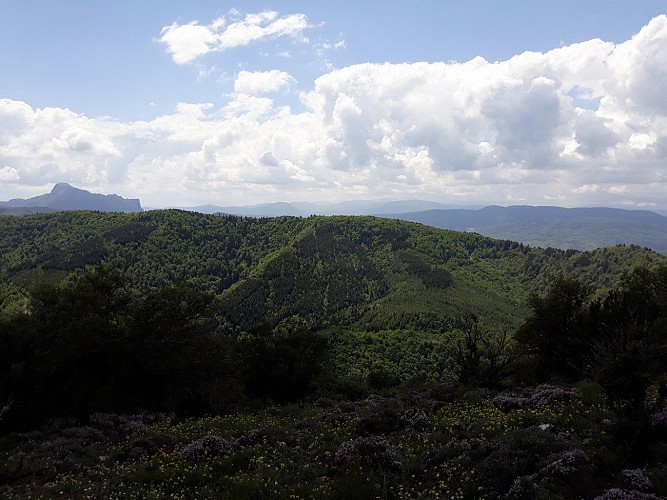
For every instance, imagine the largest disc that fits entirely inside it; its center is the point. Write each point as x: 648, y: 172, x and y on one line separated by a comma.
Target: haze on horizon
x: 542, y: 103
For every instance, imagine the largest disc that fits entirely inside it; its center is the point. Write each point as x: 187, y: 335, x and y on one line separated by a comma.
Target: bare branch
x: 6, y: 407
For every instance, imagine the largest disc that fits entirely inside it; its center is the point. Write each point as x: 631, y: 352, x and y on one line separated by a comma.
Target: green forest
x: 172, y: 353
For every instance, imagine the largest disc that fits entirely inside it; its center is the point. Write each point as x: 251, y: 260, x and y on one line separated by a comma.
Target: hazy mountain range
x: 578, y: 228
x: 304, y: 209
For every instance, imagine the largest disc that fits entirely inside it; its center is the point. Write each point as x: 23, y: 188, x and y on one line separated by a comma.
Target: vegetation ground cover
x: 171, y: 353
x: 448, y: 442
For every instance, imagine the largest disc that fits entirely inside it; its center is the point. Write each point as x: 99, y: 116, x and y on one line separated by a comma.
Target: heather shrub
x: 415, y: 420
x: 620, y: 494
x: 373, y: 452
x: 135, y: 450
x: 127, y: 424
x: 566, y: 474
x: 534, y: 397
x: 379, y: 420
x: 446, y: 392
x: 519, y: 453
x: 379, y: 415
x: 211, y: 445
x: 636, y: 479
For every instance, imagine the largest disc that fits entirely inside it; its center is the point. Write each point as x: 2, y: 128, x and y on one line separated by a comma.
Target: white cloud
x: 593, y: 135
x: 8, y: 174
x: 322, y: 48
x: 15, y: 117
x: 586, y: 188
x: 260, y: 82
x: 473, y: 132
x: 187, y: 42
x: 262, y: 25
x: 618, y: 189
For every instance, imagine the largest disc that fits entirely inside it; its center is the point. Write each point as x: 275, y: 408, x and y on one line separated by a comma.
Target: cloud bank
x: 584, y: 124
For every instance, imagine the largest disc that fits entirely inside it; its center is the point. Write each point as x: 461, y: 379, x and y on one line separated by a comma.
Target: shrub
x: 381, y: 378
x: 210, y: 445
x: 373, y: 452
x: 415, y: 420
x: 534, y: 397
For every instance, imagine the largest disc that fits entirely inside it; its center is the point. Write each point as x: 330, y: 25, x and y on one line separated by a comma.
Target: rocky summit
x: 66, y: 197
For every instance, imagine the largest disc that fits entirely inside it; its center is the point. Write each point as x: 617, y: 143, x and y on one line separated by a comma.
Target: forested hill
x: 360, y: 272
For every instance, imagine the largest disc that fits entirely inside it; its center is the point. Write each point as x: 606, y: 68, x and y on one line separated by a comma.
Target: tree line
x: 93, y: 343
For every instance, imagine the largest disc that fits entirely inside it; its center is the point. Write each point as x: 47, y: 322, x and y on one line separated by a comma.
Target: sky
x: 177, y: 103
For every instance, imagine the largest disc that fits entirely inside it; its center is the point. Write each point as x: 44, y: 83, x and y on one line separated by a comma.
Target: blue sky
x: 233, y: 103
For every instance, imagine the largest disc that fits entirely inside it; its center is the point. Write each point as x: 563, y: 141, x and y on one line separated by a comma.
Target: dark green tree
x: 172, y: 347
x: 556, y: 330
x: 630, y: 353
x: 281, y: 366
x: 481, y: 356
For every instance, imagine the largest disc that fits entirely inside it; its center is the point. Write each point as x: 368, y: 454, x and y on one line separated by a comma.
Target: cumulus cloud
x: 618, y: 189
x: 8, y: 174
x: 473, y: 132
x: 586, y: 188
x: 187, y: 42
x: 593, y: 135
x: 260, y: 82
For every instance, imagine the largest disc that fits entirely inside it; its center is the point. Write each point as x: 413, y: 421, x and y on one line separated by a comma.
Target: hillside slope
x: 357, y: 272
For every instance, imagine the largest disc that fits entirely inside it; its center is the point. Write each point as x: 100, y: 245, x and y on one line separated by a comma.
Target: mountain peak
x: 62, y: 187
x: 64, y: 196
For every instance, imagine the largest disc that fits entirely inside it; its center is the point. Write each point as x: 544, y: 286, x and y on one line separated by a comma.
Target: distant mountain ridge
x: 558, y: 227
x: 540, y: 226
x: 465, y: 219
x: 278, y: 209
x: 304, y: 209
x: 66, y: 197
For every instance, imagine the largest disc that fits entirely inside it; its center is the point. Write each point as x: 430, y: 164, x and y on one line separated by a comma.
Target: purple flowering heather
x: 619, y: 494
x: 373, y: 451
x: 534, y: 397
x: 635, y: 479
x: 207, y: 446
